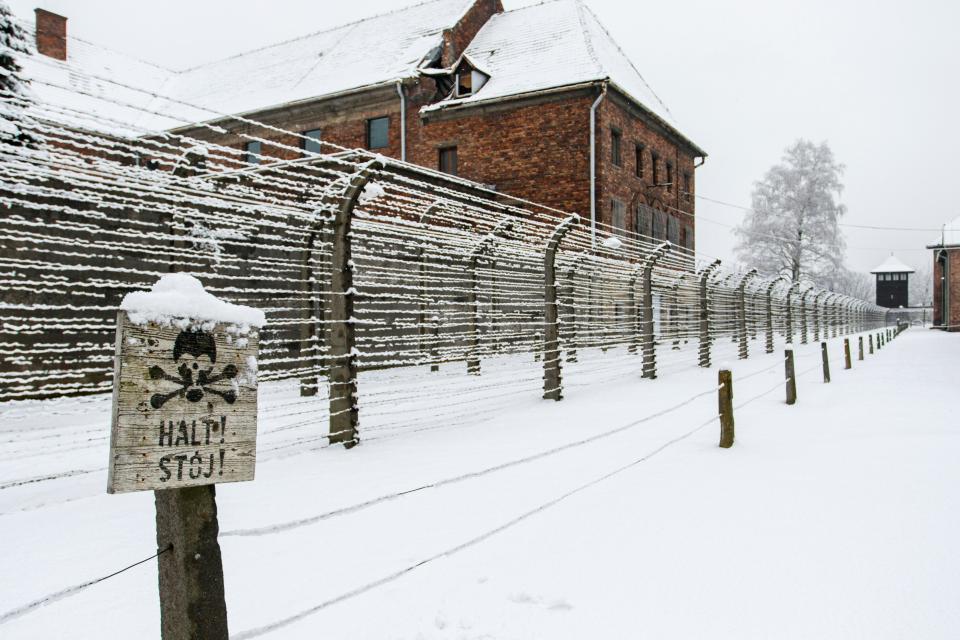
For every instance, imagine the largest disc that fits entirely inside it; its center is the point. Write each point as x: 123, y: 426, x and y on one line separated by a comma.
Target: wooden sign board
x: 184, y: 406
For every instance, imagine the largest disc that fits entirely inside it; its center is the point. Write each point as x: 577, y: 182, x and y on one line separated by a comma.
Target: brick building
x: 946, y: 277
x: 539, y: 103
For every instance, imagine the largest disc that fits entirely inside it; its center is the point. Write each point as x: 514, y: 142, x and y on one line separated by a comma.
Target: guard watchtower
x: 893, y: 280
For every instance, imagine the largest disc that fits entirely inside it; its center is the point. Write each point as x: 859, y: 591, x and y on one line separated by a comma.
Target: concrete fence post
x: 803, y: 315
x: 743, y: 350
x: 344, y: 415
x: 847, y: 362
x: 769, y: 312
x: 423, y: 266
x: 569, y: 326
x: 705, y: 339
x: 790, y: 291
x: 647, y: 337
x: 482, y: 249
x: 870, y: 340
x: 552, y: 375
x: 860, y: 348
x: 312, y: 330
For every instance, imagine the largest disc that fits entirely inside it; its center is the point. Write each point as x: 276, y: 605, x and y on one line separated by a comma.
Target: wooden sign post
x: 184, y: 418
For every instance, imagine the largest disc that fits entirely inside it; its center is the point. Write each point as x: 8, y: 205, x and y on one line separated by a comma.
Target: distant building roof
x: 377, y: 50
x: 551, y: 45
x: 892, y: 265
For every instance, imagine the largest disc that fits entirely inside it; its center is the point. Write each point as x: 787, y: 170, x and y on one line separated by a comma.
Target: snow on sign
x: 185, y: 389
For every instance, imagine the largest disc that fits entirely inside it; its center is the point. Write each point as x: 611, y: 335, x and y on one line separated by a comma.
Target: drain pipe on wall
x: 593, y: 167
x: 403, y: 121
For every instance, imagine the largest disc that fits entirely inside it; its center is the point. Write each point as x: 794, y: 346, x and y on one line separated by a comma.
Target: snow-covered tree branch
x: 793, y: 225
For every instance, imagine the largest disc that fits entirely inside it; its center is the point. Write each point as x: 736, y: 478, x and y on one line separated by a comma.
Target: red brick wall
x: 621, y: 182
x: 540, y: 152
x: 953, y: 256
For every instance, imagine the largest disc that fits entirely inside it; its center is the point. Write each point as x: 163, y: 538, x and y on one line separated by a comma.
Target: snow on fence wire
x: 363, y: 264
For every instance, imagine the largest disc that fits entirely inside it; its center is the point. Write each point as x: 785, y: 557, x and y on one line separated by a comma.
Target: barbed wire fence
x: 368, y: 269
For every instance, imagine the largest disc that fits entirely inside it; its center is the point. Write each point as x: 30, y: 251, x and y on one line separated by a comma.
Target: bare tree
x: 793, y: 226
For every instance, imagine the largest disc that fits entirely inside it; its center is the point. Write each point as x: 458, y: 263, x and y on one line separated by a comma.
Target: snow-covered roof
x: 368, y: 52
x: 949, y: 237
x: 555, y: 44
x: 892, y: 265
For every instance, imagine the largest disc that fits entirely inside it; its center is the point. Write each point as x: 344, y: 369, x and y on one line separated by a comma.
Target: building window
x: 615, y: 151
x: 673, y: 230
x: 670, y: 174
x: 464, y: 84
x: 654, y: 169
x: 448, y: 160
x: 311, y: 141
x: 688, y: 237
x: 657, y: 231
x: 252, y: 149
x: 378, y: 132
x: 638, y: 152
x: 686, y: 186
x: 618, y: 215
x: 643, y: 220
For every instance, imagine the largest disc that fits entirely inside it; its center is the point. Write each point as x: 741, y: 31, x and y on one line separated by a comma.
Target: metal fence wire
x: 386, y: 286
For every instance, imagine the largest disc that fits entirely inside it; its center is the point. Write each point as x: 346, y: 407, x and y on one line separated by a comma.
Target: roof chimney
x: 51, y: 34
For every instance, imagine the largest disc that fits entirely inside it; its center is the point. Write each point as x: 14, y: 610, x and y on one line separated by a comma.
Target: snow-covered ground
x: 834, y: 518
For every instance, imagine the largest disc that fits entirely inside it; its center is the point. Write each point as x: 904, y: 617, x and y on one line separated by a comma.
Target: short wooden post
x: 725, y: 400
x: 192, y: 601
x: 790, y: 377
x: 646, y: 301
x: 847, y: 363
x: 826, y: 361
x: 705, y: 340
x: 860, y: 345
x: 344, y: 414
x: 552, y: 375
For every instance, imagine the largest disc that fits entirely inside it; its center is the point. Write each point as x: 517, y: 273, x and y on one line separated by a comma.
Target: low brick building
x: 946, y: 278
x: 539, y: 103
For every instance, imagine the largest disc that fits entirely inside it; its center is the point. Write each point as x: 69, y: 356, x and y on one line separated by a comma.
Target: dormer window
x: 468, y: 80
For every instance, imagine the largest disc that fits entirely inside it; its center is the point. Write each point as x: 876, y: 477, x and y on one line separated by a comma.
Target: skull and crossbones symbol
x: 198, y: 352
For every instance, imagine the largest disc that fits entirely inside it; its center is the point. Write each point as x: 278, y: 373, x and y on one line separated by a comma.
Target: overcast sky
x: 878, y: 80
